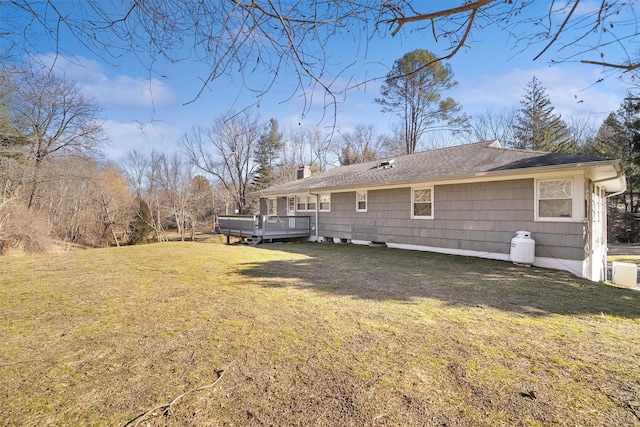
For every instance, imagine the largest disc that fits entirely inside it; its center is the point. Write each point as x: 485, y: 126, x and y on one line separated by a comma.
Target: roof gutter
x: 618, y: 175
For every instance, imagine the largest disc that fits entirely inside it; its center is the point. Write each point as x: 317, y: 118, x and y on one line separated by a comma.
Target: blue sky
x: 142, y: 111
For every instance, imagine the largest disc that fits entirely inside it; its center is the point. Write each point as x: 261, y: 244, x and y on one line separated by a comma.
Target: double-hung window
x: 555, y: 198
x: 306, y: 203
x: 422, y: 202
x: 361, y: 201
x: 324, y: 202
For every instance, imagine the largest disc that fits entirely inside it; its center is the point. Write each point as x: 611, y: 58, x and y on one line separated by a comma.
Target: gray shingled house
x: 464, y: 200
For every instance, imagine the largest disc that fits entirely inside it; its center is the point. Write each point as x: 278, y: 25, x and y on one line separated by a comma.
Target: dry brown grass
x: 310, y: 334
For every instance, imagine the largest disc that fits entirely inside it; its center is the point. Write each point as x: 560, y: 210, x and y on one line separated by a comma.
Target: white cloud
x: 142, y: 137
x: 111, y: 91
x: 572, y: 91
x: 130, y: 91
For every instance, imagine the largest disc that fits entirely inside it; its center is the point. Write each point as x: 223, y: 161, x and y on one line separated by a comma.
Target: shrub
x: 22, y: 229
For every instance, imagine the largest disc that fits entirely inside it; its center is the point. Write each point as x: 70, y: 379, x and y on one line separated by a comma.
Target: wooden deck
x: 265, y: 227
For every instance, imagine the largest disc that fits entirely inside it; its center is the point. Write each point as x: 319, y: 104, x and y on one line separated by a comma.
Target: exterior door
x: 598, y: 233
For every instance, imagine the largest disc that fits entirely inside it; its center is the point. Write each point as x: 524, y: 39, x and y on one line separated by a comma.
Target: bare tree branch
x: 625, y: 67
x: 560, y: 30
x: 473, y: 7
x: 267, y: 42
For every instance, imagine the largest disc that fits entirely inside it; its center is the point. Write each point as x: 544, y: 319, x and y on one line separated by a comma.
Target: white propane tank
x: 523, y: 248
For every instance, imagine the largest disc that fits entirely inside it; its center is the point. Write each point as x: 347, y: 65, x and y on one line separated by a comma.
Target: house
x: 464, y: 200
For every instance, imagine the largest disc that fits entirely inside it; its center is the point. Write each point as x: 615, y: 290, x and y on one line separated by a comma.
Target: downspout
x: 317, y: 215
x: 614, y: 194
x: 607, y: 213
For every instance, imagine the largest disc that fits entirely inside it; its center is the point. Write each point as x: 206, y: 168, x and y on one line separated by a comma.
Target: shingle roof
x: 446, y: 163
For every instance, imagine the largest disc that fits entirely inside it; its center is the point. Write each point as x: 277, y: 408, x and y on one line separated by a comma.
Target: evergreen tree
x: 13, y: 142
x: 537, y: 127
x: 266, y: 155
x: 619, y: 138
x: 140, y: 228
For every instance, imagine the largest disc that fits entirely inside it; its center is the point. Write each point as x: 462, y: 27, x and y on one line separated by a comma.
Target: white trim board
x: 574, y: 267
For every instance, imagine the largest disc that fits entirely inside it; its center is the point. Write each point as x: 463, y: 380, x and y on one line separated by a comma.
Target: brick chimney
x: 304, y: 172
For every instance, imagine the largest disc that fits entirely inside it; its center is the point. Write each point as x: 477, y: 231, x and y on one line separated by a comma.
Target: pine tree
x: 266, y: 154
x: 537, y: 127
x: 413, y: 90
x: 13, y: 142
x: 140, y: 228
x: 619, y: 138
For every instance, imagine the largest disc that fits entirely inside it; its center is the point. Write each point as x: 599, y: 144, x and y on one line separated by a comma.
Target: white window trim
x: 426, y: 187
x: 577, y: 199
x: 289, y: 210
x: 298, y: 209
x: 366, y: 201
x: 308, y: 199
x: 319, y: 200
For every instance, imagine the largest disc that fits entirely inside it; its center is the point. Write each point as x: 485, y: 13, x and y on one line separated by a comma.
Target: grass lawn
x: 310, y: 334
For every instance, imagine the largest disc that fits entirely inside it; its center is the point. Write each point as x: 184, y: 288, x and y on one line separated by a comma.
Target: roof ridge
x: 488, y: 143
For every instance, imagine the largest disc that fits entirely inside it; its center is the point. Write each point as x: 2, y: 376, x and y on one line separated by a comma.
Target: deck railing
x: 285, y: 225
x: 267, y: 226
x: 238, y: 224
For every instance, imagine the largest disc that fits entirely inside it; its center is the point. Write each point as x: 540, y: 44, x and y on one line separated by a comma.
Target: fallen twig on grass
x: 167, y: 406
x: 623, y: 403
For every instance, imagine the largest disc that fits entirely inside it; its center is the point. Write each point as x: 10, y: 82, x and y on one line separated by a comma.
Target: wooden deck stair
x: 251, y: 241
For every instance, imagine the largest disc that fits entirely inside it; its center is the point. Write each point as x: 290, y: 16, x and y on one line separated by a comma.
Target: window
x: 291, y: 204
x: 324, y: 202
x: 301, y: 203
x: 361, y: 201
x: 306, y: 203
x: 422, y: 201
x: 596, y: 204
x: 272, y: 207
x: 555, y: 198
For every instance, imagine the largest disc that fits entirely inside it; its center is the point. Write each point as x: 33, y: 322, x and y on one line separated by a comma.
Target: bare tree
x: 113, y: 200
x: 143, y: 173
x: 361, y: 145
x: 202, y: 207
x: 305, y: 147
x: 174, y: 177
x: 134, y: 165
x: 266, y: 41
x: 56, y: 119
x: 225, y: 151
x: 85, y: 202
x: 318, y: 148
x: 499, y: 124
x: 582, y: 130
